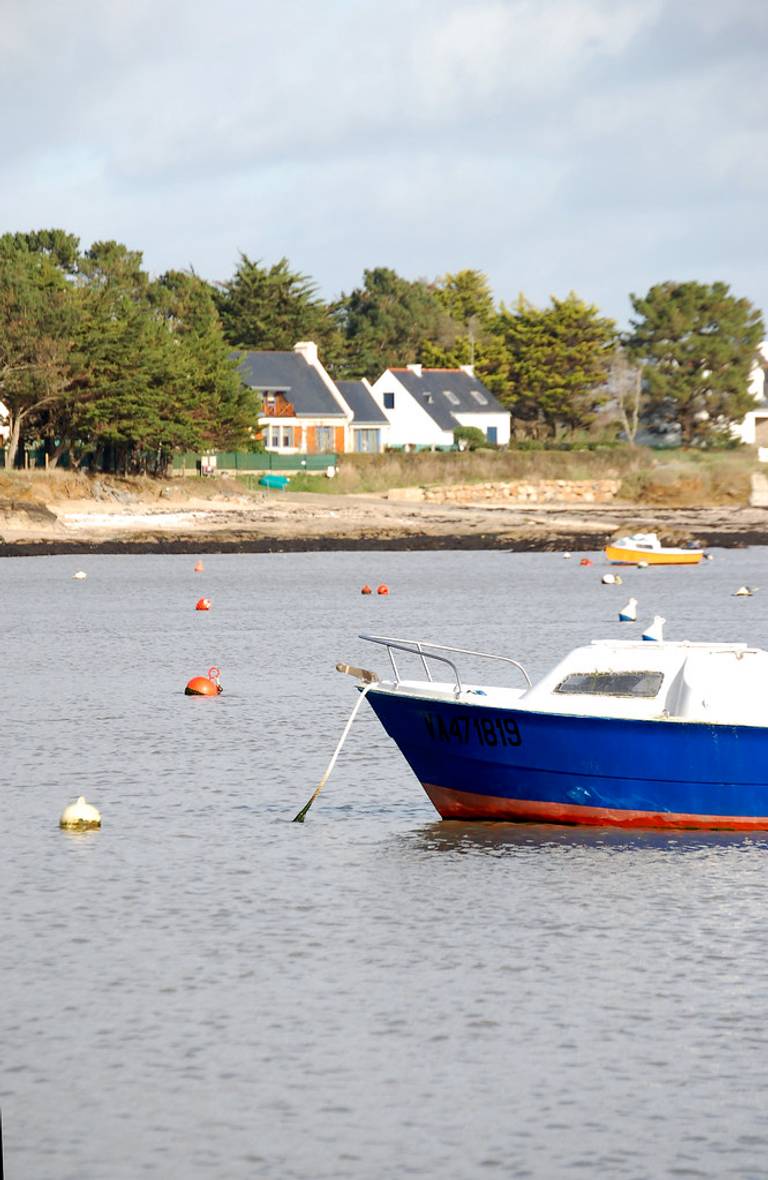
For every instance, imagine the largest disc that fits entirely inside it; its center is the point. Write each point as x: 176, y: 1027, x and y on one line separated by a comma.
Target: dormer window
x: 479, y: 397
x: 451, y: 397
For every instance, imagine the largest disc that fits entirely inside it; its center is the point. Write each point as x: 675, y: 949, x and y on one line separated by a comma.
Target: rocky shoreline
x: 291, y: 523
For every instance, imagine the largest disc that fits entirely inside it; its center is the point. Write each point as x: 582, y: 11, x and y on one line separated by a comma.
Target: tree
x: 272, y: 307
x: 468, y: 300
x: 625, y: 385
x: 162, y: 376
x: 698, y: 342
x: 37, y: 320
x: 227, y: 410
x: 386, y: 322
x: 556, y: 362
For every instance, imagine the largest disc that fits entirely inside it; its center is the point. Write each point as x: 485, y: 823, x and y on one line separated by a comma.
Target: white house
x: 753, y: 429
x: 304, y: 411
x: 424, y: 406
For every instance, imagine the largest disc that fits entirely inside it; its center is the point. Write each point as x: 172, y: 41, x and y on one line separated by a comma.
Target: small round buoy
x: 709, y: 557
x: 566, y: 556
x: 80, y: 816
x: 642, y: 565
x: 199, y: 567
x: 366, y: 589
x: 585, y: 561
x: 382, y: 589
x: 203, y: 604
x: 205, y: 686
x: 609, y: 579
x: 80, y: 576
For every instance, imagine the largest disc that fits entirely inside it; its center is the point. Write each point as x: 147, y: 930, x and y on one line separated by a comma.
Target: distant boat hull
x: 620, y: 555
x: 478, y: 762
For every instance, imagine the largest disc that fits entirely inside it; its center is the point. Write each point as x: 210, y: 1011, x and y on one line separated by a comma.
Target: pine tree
x: 556, y: 363
x: 698, y: 343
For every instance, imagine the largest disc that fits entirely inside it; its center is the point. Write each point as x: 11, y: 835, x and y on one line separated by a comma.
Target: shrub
x: 471, y: 436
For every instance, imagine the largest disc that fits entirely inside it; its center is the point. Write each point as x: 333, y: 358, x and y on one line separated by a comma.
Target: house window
x: 324, y: 438
x: 492, y: 435
x: 274, y: 436
x: 452, y: 398
x: 287, y: 436
x: 368, y: 441
x: 479, y: 397
x: 389, y: 401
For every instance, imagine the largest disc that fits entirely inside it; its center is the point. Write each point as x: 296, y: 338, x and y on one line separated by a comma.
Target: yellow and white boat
x: 647, y: 547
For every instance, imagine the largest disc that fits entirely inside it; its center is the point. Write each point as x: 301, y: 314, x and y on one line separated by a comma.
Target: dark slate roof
x: 437, y: 383
x: 361, y: 403
x: 291, y: 374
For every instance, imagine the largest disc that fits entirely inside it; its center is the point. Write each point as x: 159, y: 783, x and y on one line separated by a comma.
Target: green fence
x: 245, y: 461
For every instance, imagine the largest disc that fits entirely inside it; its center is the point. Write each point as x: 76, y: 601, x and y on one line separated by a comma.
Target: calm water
x: 205, y: 990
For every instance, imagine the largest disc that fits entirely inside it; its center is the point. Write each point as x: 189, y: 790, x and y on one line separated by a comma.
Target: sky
x: 599, y: 146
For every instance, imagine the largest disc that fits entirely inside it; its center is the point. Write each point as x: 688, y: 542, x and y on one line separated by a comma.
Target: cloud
x: 554, y: 143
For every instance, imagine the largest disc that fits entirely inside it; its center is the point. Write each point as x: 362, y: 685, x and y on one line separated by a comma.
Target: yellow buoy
x: 80, y: 816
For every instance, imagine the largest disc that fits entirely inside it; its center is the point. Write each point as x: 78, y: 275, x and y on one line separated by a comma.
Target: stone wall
x: 518, y: 491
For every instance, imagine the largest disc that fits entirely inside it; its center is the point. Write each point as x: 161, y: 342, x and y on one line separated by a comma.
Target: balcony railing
x: 278, y: 409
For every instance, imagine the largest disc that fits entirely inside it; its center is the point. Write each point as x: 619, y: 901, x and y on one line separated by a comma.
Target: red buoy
x: 366, y: 589
x: 382, y: 589
x: 205, y: 686
x: 199, y: 567
x: 585, y: 561
x: 203, y: 604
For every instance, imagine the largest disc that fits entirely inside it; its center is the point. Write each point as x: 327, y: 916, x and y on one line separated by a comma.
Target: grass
x: 663, y: 477
x: 673, y: 478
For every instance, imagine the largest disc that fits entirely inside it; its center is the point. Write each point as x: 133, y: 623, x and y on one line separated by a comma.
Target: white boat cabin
x: 718, y: 683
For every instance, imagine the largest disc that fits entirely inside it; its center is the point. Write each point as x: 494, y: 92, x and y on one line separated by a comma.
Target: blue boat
x: 628, y: 734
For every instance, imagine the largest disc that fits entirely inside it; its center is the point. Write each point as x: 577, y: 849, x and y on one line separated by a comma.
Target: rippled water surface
x: 204, y: 990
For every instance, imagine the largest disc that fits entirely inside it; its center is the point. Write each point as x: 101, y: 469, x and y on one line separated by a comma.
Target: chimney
x: 468, y: 369
x: 307, y: 349
x: 415, y: 369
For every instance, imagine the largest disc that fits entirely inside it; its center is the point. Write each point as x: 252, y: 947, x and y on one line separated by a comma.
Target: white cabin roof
x: 717, y: 682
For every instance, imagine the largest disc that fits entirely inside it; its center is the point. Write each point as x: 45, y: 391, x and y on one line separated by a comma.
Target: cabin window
x: 611, y: 684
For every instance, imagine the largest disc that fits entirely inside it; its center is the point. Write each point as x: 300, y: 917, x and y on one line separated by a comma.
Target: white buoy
x: 744, y: 592
x: 628, y: 613
x: 80, y: 576
x: 608, y: 579
x: 566, y: 556
x: 709, y: 557
x: 80, y: 816
x: 642, y: 565
x: 656, y: 630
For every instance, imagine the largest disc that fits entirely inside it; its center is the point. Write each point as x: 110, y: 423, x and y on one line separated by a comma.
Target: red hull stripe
x: 466, y: 805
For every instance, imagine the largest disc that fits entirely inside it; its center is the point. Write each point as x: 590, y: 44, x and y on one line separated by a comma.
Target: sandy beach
x: 228, y: 519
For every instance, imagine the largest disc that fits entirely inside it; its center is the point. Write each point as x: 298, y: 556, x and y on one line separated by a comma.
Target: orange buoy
x: 366, y: 589
x: 199, y: 567
x: 203, y: 604
x: 205, y: 686
x: 382, y: 589
x: 585, y: 561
